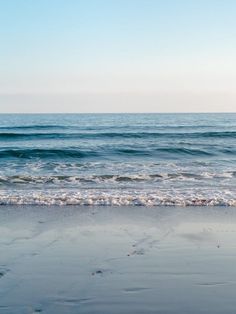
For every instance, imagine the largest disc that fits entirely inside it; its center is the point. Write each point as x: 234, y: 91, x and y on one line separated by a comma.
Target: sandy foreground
x: 117, y: 260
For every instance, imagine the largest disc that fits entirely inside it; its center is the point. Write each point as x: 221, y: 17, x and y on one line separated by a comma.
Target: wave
x: 108, y: 178
x: 46, y: 153
x: 37, y: 136
x: 60, y: 179
x: 184, y: 151
x: 34, y: 127
x: 160, y: 151
x: 87, y: 135
x: 29, y: 153
x: 115, y: 198
x: 114, y: 179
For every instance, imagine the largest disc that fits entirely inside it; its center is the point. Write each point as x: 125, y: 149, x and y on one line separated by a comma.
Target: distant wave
x: 29, y: 153
x: 45, y: 153
x: 33, y: 127
x: 87, y: 135
x: 185, y: 151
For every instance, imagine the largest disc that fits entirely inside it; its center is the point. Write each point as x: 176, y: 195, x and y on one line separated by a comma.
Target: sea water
x: 118, y: 159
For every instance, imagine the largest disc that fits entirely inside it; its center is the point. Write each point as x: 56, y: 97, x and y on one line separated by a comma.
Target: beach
x: 117, y: 213
x: 73, y: 259
x: 117, y: 157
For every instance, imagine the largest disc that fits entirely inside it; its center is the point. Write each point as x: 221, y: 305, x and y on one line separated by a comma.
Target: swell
x: 29, y: 153
x: 84, y: 135
x: 33, y: 127
x: 45, y: 153
x: 165, y: 152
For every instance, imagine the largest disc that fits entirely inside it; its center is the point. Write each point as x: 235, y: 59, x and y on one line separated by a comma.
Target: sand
x: 117, y: 260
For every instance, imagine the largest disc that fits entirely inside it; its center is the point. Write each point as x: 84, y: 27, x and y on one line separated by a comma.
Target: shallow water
x: 118, y: 159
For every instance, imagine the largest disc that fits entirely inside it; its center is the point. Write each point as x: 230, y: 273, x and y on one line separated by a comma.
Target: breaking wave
x: 117, y: 198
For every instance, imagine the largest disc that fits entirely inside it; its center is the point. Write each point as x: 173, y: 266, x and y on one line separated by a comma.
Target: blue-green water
x: 118, y: 159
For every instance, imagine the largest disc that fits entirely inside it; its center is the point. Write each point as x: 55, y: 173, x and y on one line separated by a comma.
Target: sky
x: 117, y: 56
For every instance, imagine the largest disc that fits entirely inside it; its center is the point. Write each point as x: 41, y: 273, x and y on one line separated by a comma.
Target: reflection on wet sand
x: 117, y: 260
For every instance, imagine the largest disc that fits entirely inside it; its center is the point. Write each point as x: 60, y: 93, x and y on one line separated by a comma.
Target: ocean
x: 118, y: 159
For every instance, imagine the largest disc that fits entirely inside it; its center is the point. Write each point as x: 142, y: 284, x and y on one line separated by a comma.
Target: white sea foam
x: 119, y: 198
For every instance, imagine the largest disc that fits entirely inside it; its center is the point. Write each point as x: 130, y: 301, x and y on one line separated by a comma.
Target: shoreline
x: 94, y: 259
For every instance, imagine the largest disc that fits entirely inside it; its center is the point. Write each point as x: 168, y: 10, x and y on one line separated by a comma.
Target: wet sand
x: 117, y: 260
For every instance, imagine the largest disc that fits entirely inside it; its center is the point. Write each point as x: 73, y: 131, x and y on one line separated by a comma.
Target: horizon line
x: 147, y: 112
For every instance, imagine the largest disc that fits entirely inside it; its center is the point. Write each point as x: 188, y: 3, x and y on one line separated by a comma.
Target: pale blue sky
x: 117, y: 55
